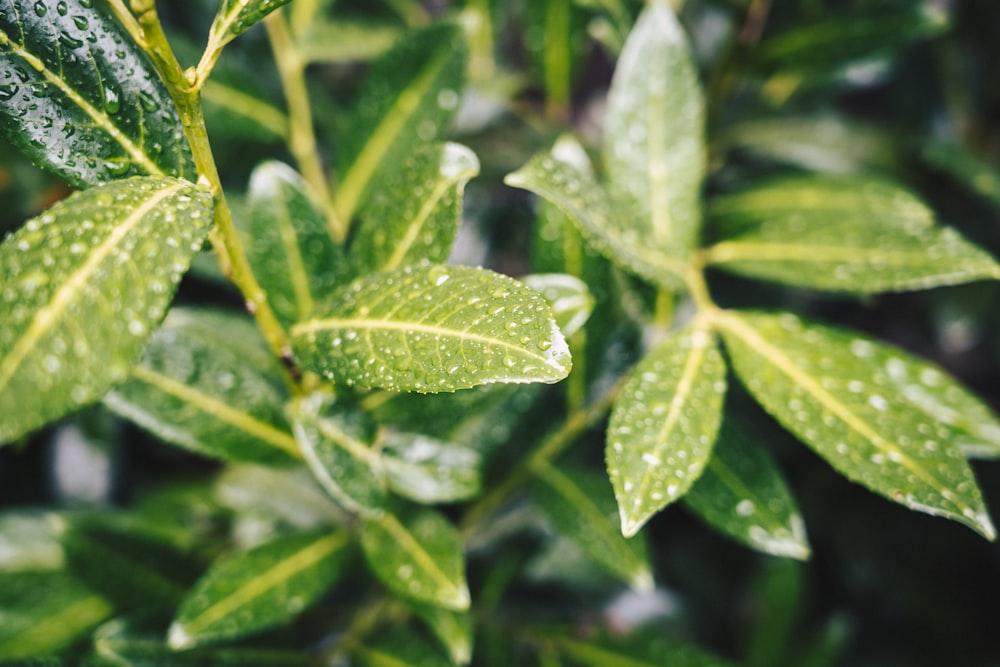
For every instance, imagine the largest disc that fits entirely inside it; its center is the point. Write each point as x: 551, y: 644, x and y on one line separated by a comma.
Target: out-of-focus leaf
x: 654, y: 144
x: 965, y: 167
x: 743, y: 494
x: 410, y: 96
x: 399, y: 647
x: 83, y: 286
x: 208, y: 383
x: 289, y: 498
x: 80, y: 98
x: 641, y: 649
x: 664, y: 424
x: 833, y: 390
x: 454, y: 629
x: 428, y: 470
x: 433, y: 328
x: 337, y: 444
x: 568, y: 296
x: 344, y: 40
x: 257, y: 589
x: 581, y: 506
x: 27, y: 542
x: 230, y: 107
x: 418, y: 554
x: 236, y: 17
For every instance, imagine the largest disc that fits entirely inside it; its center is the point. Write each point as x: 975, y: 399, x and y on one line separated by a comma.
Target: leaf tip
x: 458, y: 598
x: 631, y: 525
x: 642, y: 581
x: 178, y: 637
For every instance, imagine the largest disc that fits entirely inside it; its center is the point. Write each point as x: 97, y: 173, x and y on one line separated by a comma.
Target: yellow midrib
x: 728, y: 251
x: 455, y: 595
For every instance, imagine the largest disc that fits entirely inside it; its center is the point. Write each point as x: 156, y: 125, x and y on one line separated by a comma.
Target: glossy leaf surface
x: 454, y: 629
x: 237, y: 16
x: 653, y: 149
x: 664, y: 424
x: 257, y: 589
x: 428, y: 470
x: 79, y: 97
x: 208, y: 383
x: 433, y: 328
x: 568, y: 296
x: 833, y: 390
x: 418, y: 554
x: 84, y: 285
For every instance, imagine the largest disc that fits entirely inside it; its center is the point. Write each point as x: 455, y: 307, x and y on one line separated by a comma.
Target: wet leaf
x: 84, y: 285
x: 582, y: 508
x: 433, y: 328
x: 664, y: 424
x: 79, y: 97
x: 418, y: 554
x: 237, y: 16
x: 409, y: 98
x: 208, y: 383
x: 288, y: 242
x: 833, y: 389
x: 454, y: 629
x: 640, y: 649
x: 414, y: 215
x: 269, y: 585
x: 654, y: 144
x: 337, y: 444
x: 428, y: 470
x: 743, y: 494
x: 568, y: 296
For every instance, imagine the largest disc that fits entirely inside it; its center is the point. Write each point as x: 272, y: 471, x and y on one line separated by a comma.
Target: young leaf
x: 832, y: 389
x: 654, y: 148
x: 419, y: 555
x: 81, y: 99
x: 664, y: 424
x: 454, y: 629
x: 208, y: 383
x: 414, y: 215
x: 568, y: 296
x: 433, y: 328
x: 428, y: 470
x: 743, y: 494
x: 409, y: 98
x: 84, y: 285
x: 288, y: 242
x: 336, y: 442
x: 266, y: 586
x: 237, y: 16
x: 582, y: 508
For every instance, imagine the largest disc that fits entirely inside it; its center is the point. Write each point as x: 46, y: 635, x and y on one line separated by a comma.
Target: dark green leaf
x: 428, y: 470
x: 236, y: 17
x: 664, y: 424
x: 84, y: 285
x: 433, y: 328
x: 257, y: 589
x: 968, y: 168
x: 637, y: 650
x: 419, y: 555
x: 833, y: 389
x: 454, y: 629
x: 80, y: 98
x: 208, y: 383
x: 400, y: 647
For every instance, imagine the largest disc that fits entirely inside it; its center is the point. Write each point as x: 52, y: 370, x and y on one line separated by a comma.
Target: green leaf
x: 28, y: 542
x: 843, y: 235
x: 257, y: 589
x: 418, y: 554
x: 568, y: 296
x: 598, y: 217
x: 433, y: 328
x: 400, y: 647
x: 288, y: 242
x: 454, y: 629
x: 337, y: 444
x: 654, y: 148
x: 84, y: 285
x: 208, y: 383
x: 237, y: 16
x: 641, y: 649
x: 664, y: 424
x: 966, y: 167
x: 833, y: 390
x: 409, y: 98
x: 582, y: 508
x: 81, y: 99
x: 743, y: 494
x: 428, y: 470
x: 345, y: 40
x: 414, y: 215
x: 43, y: 612
x: 289, y: 498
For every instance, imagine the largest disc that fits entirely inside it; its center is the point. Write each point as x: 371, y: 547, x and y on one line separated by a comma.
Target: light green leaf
x: 43, y: 612
x: 429, y: 471
x: 664, y: 424
x: 257, y: 589
x: 409, y: 98
x: 743, y: 494
x: 287, y: 497
x: 454, y: 629
x: 337, y: 444
x: 568, y: 296
x: 233, y: 110
x: 582, y: 508
x: 418, y: 554
x: 654, y: 148
x: 433, y: 328
x: 344, y: 40
x: 843, y: 235
x: 400, y: 647
x: 599, y: 218
x: 833, y: 390
x: 639, y: 649
x: 414, y: 215
x: 208, y: 383
x: 28, y: 542
x: 288, y: 242
x: 84, y: 285
x: 236, y: 17
x: 81, y: 99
